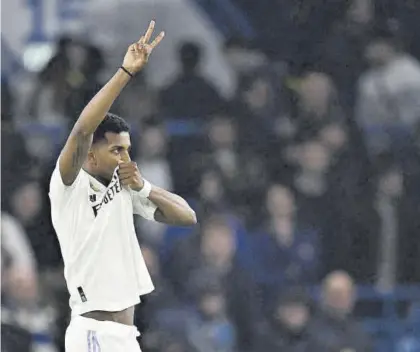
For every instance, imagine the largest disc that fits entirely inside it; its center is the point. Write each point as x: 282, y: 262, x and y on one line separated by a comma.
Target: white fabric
x: 89, y: 335
x: 145, y: 191
x: 15, y: 242
x: 390, y: 94
x: 101, y: 253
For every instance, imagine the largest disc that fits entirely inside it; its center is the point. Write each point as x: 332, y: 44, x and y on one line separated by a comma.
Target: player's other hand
x: 138, y: 53
x: 130, y: 176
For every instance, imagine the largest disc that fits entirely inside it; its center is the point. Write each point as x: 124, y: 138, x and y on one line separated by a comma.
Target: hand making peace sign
x: 138, y: 53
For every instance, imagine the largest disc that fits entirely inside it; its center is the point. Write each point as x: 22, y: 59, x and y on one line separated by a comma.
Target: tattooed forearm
x: 73, y: 156
x: 82, y: 146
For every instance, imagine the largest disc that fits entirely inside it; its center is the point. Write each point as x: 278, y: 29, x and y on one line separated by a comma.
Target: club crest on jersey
x: 96, y: 189
x: 113, y: 189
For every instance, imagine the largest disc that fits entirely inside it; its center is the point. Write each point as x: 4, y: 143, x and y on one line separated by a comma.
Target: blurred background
x: 293, y: 129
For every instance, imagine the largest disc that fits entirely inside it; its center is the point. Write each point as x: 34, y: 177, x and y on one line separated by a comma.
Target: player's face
x: 106, y: 155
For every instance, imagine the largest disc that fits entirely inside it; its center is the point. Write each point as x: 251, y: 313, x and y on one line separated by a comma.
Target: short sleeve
x: 57, y: 187
x: 143, y: 206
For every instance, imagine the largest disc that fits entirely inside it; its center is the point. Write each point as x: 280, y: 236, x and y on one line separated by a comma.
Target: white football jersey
x: 103, y: 264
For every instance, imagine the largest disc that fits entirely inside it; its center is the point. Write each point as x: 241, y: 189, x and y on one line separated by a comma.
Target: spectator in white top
x: 23, y: 317
x: 18, y: 266
x: 388, y: 91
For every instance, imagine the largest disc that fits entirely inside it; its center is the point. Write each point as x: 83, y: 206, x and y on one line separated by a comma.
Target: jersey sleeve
x: 57, y: 187
x: 143, y: 206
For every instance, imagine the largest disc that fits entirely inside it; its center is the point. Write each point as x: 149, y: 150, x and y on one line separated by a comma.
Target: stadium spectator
x: 19, y: 268
x: 396, y: 224
x: 243, y: 59
x: 66, y: 83
x: 211, y: 330
x: 242, y: 171
x: 152, y: 161
x: 333, y: 325
x: 342, y: 51
x: 349, y: 236
x: 213, y: 258
x: 256, y: 107
x: 203, y: 99
x: 151, y: 155
x: 25, y: 315
x: 13, y: 173
x: 317, y: 103
x: 311, y: 183
x: 285, y: 251
x: 29, y: 207
x: 387, y: 105
x: 138, y: 103
x: 211, y: 193
x: 403, y: 15
x: 289, y: 325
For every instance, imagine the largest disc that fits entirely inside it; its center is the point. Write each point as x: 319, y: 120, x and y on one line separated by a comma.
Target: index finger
x: 146, y: 37
x: 157, y: 40
x: 124, y: 165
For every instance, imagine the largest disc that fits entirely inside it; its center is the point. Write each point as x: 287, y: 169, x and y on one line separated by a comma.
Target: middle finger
x: 148, y: 33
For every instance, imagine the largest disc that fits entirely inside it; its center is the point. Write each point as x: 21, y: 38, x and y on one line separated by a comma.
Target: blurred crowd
x: 309, y: 175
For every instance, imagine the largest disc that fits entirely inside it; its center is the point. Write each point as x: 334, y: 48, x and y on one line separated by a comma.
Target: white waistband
x: 108, y: 327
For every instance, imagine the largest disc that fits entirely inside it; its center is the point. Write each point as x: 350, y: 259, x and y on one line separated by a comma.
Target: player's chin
x: 112, y: 168
x: 109, y: 174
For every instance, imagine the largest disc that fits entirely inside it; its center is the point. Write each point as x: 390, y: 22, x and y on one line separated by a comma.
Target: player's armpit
x: 73, y: 156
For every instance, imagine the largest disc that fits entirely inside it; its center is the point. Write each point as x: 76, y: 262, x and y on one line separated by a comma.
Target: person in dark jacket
x: 211, y: 257
x: 333, y: 324
x: 288, y: 328
x: 190, y: 96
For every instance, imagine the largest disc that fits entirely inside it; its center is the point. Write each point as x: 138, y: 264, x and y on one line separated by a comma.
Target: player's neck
x: 100, y: 179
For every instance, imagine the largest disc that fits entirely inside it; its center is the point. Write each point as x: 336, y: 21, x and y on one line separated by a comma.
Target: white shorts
x: 89, y: 335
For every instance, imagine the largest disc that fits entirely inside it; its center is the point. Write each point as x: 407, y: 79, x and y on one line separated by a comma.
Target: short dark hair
x: 294, y: 295
x: 111, y: 123
x: 385, y: 32
x: 236, y: 42
x: 190, y: 55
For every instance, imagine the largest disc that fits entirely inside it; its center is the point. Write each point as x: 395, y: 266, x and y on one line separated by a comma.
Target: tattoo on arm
x: 82, y: 147
x: 73, y: 155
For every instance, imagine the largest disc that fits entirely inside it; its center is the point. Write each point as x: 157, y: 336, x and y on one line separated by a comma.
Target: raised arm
x: 78, y: 143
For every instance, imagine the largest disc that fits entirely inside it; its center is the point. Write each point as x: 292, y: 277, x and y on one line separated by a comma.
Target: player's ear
x: 92, y: 157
